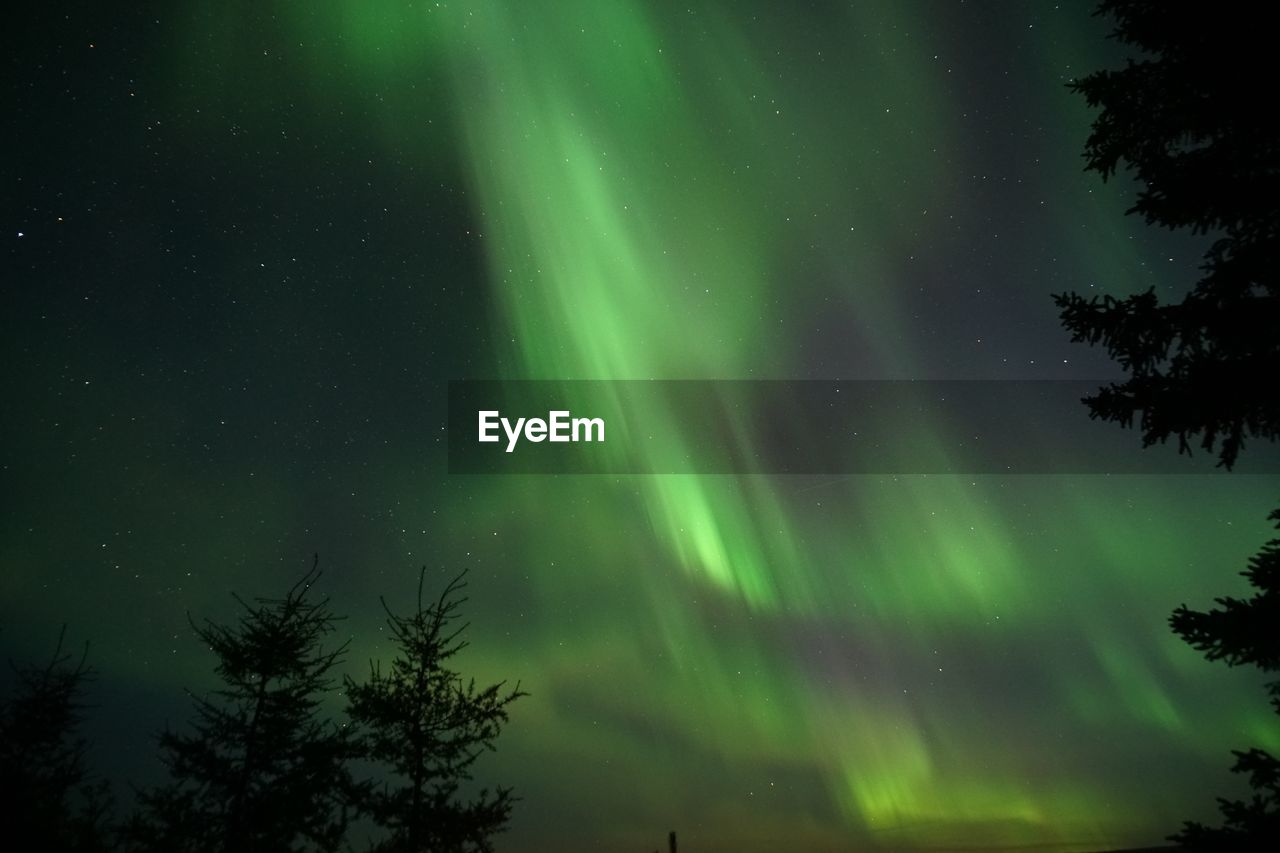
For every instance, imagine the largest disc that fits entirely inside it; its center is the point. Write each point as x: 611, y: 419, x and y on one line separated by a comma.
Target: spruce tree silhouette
x: 1243, y: 632
x: 1186, y: 119
x: 421, y: 722
x: 263, y: 769
x: 49, y: 797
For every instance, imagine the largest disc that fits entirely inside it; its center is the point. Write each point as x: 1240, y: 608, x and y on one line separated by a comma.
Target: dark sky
x: 247, y: 244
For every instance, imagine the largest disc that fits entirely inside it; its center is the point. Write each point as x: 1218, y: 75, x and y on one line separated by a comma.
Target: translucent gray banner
x: 802, y: 427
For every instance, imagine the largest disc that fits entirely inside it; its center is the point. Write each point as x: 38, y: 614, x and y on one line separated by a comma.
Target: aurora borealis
x: 247, y: 244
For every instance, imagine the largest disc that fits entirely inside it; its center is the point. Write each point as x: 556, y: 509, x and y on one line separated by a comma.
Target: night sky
x: 246, y: 244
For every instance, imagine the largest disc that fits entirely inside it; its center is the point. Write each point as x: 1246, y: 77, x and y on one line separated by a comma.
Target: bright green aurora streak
x: 771, y: 662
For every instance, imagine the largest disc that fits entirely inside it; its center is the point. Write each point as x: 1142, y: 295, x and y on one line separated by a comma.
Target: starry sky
x: 246, y: 245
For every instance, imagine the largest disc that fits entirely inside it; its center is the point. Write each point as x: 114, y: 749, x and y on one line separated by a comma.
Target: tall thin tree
x: 1187, y: 116
x: 1243, y: 632
x: 421, y: 722
x: 263, y: 769
x: 49, y: 795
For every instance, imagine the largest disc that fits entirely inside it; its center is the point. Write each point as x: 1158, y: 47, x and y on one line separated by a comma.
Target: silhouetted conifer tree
x: 1190, y: 119
x: 425, y: 725
x: 1243, y: 632
x: 263, y: 769
x: 50, y: 799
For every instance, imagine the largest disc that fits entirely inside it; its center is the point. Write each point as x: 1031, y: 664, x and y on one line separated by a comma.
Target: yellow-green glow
x: 662, y: 191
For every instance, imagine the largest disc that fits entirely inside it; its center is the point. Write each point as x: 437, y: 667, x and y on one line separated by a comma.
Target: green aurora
x: 719, y: 191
